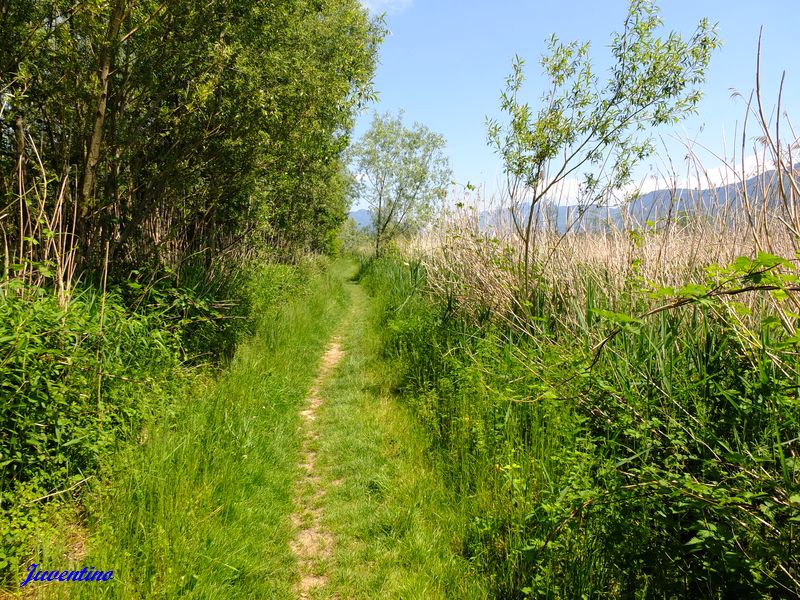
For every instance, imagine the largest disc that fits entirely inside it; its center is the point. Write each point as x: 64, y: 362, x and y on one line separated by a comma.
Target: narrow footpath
x: 312, y: 543
x: 372, y: 519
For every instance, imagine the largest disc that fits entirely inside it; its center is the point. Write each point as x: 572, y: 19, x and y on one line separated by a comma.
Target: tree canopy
x: 159, y: 132
x: 402, y: 174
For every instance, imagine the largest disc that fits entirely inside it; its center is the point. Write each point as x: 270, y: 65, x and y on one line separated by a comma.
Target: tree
x: 402, y: 175
x: 176, y: 134
x: 592, y: 128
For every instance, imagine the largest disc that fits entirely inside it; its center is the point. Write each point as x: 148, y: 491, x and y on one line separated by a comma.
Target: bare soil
x: 312, y: 544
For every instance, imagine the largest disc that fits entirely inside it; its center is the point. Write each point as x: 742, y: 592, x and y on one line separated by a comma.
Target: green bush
x: 666, y: 469
x: 74, y: 382
x: 74, y: 379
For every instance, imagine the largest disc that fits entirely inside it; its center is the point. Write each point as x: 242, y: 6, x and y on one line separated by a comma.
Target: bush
x: 666, y: 468
x: 73, y: 380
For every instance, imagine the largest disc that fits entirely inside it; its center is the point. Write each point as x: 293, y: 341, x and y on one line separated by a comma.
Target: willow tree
x: 167, y: 132
x: 591, y: 127
x: 403, y: 173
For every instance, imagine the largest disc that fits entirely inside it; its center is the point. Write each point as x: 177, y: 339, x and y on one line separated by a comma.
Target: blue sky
x: 445, y: 63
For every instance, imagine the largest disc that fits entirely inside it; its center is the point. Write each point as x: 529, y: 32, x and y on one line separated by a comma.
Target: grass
x: 398, y: 531
x: 75, y: 382
x: 664, y: 467
x: 201, y: 506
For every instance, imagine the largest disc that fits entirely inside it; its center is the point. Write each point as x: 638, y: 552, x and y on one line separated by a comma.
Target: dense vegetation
x: 149, y: 152
x: 605, y: 455
x: 618, y: 407
x: 199, y: 507
x: 167, y: 133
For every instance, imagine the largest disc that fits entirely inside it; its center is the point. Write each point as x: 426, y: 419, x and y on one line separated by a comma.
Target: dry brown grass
x: 481, y: 267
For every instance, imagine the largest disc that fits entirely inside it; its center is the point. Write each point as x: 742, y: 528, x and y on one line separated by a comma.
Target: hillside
x: 652, y: 206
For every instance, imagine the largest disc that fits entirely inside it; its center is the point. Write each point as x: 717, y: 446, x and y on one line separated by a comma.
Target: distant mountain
x: 651, y: 206
x: 762, y: 188
x: 593, y: 218
x: 362, y: 217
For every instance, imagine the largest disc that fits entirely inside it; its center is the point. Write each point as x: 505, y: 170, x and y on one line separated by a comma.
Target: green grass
x: 200, y: 508
x: 398, y: 532
x: 76, y: 381
x: 666, y: 469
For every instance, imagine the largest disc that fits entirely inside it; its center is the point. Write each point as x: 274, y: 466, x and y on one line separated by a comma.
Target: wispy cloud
x: 387, y: 6
x: 724, y: 173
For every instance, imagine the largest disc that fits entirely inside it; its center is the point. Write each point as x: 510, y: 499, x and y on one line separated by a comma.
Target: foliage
x: 149, y: 152
x: 221, y: 458
x: 86, y: 385
x: 663, y: 466
x: 165, y: 131
x: 354, y: 240
x: 403, y: 174
x: 593, y: 129
x: 72, y: 379
x: 74, y: 382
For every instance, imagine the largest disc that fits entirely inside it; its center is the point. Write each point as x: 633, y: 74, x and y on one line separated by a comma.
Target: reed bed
x: 621, y: 412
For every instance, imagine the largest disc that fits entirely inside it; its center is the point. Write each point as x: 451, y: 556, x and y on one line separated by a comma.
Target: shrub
x: 664, y: 466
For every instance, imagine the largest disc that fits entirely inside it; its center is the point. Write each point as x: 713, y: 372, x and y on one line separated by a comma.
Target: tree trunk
x: 103, y: 75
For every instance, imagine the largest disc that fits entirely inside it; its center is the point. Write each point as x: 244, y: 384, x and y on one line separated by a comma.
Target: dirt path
x: 312, y: 543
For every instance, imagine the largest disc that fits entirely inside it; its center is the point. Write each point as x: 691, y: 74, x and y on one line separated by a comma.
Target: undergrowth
x: 81, y: 381
x: 614, y: 457
x: 200, y: 508
x: 74, y: 381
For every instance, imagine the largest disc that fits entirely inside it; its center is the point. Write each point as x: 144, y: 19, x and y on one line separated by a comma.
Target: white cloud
x: 727, y: 173
x: 388, y: 6
x: 702, y: 178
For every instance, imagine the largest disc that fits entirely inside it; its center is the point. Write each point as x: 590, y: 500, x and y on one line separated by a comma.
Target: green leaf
x: 616, y: 317
x: 693, y: 291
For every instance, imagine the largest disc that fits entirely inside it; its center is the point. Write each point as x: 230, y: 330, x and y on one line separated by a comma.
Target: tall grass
x: 665, y: 466
x: 630, y: 427
x: 89, y: 381
x: 222, y: 460
x: 75, y: 380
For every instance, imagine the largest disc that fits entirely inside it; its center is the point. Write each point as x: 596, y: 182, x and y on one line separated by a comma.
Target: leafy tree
x: 166, y: 133
x: 402, y: 175
x: 591, y: 127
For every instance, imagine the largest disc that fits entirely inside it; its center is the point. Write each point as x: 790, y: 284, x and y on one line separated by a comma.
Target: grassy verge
x: 76, y: 381
x: 397, y: 532
x: 199, y: 508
